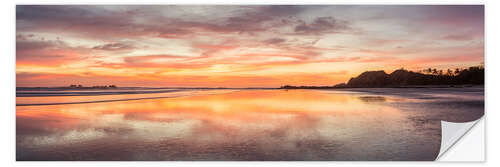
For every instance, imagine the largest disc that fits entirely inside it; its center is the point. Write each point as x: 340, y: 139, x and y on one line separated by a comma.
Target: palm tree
x: 457, y: 71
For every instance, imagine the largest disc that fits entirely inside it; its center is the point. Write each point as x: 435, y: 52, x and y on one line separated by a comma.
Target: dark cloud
x: 459, y: 37
x: 30, y: 42
x: 464, y: 21
x: 88, y: 21
x: 456, y: 14
x: 281, y: 10
x: 114, y: 47
x: 28, y: 45
x: 173, y: 33
x: 48, y: 13
x: 321, y: 25
x: 274, y: 41
x: 251, y: 21
x: 24, y: 37
x: 96, y: 22
x: 31, y: 50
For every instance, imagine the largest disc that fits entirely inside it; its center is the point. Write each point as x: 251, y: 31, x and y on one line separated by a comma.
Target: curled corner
x: 451, y: 132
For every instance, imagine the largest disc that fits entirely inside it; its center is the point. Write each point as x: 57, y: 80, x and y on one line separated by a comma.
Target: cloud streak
x: 322, y: 25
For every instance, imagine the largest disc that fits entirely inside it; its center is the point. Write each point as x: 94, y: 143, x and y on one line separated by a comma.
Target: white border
x: 335, y: 2
x: 7, y: 63
x: 469, y: 148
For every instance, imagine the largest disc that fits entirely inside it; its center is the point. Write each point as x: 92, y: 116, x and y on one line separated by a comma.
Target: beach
x: 240, y: 124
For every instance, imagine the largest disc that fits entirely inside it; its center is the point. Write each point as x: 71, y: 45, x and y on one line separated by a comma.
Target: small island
x: 93, y: 87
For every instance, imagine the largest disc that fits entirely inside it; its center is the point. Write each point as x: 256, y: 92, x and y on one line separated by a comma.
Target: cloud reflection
x: 242, y: 125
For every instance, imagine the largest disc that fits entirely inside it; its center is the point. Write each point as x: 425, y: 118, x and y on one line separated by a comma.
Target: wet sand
x: 364, y: 124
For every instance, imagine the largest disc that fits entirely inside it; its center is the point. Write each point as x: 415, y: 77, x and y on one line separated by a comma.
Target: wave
x: 98, y: 101
x: 90, y: 93
x: 60, y: 98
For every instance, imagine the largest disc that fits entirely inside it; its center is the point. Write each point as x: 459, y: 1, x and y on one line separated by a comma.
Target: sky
x: 238, y: 46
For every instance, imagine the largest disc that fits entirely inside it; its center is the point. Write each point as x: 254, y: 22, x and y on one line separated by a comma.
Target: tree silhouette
x: 449, y: 72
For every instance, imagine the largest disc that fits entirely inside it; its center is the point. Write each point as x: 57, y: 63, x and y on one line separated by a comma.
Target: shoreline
x: 409, y: 86
x: 202, y: 88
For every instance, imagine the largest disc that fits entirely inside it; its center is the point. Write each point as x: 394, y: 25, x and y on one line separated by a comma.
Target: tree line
x: 404, y: 78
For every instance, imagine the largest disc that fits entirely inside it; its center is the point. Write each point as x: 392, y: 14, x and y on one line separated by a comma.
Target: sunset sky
x: 238, y: 46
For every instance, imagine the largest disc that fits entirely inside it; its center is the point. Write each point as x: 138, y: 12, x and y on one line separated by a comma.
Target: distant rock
x: 401, y: 78
x: 404, y: 77
x: 370, y: 79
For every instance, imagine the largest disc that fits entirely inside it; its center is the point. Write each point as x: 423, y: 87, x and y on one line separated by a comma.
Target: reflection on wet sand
x: 372, y: 98
x: 239, y: 125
